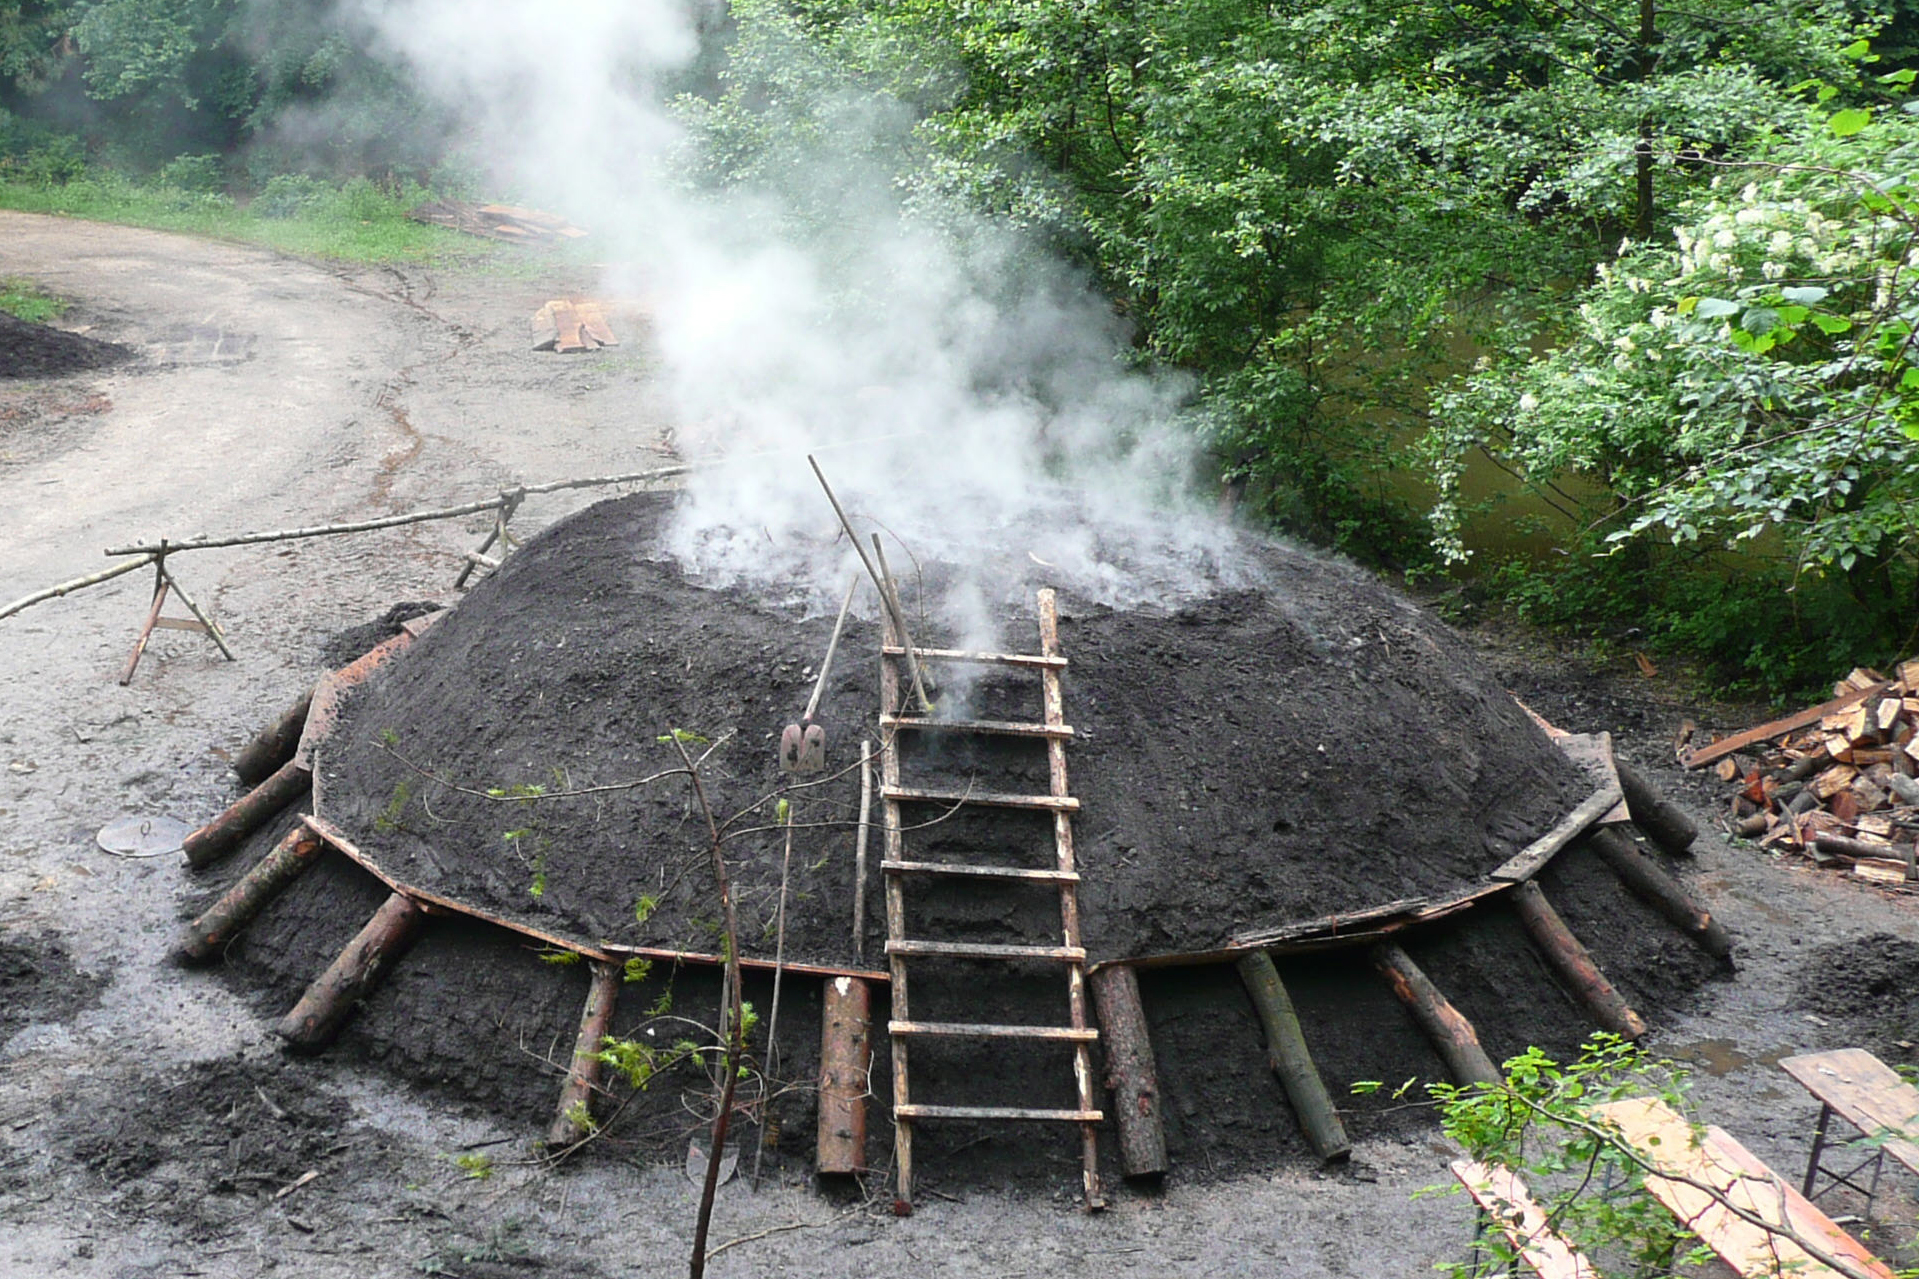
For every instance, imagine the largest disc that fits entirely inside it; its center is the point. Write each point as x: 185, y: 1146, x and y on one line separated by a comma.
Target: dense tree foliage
x: 1650, y: 263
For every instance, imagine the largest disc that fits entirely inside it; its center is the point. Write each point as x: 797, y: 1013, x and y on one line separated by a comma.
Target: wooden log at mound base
x: 1302, y: 765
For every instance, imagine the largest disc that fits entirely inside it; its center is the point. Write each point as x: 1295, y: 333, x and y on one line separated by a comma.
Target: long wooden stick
x: 779, y: 972
x: 892, y: 594
x: 1290, y: 1059
x: 888, y: 604
x: 859, y: 849
x: 832, y: 647
x: 78, y: 583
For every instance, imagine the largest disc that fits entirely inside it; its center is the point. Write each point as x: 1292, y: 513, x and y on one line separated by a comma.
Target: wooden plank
x: 1591, y: 754
x: 984, y: 950
x: 979, y: 872
x: 1531, y: 859
x: 994, y: 727
x: 1866, y: 1093
x: 1053, y: 662
x: 1499, y: 1191
x: 1000, y: 1112
x: 982, y: 1030
x: 984, y: 798
x: 1664, y: 1139
x: 1785, y: 724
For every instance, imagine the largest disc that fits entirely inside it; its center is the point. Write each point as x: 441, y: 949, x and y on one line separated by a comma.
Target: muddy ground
x: 149, y: 1124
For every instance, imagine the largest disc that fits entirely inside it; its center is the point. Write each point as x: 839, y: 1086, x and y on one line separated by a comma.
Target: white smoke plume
x: 962, y: 391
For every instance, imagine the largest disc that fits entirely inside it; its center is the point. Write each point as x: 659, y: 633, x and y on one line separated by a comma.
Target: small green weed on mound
x: 28, y: 301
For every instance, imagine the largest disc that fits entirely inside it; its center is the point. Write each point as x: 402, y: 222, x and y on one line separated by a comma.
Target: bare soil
x: 149, y: 1123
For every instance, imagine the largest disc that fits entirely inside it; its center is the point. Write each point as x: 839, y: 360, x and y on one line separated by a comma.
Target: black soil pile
x: 29, y: 350
x: 344, y: 646
x: 1871, y: 988
x: 38, y: 982
x: 1315, y: 746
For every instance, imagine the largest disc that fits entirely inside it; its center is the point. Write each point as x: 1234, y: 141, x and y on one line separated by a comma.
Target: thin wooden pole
x: 1290, y: 1059
x: 846, y: 1063
x: 859, y: 849
x: 207, y: 623
x: 327, y: 1003
x: 1445, y: 1027
x: 573, y: 1118
x: 1132, y: 1075
x: 221, y: 922
x: 153, y: 616
x: 76, y: 584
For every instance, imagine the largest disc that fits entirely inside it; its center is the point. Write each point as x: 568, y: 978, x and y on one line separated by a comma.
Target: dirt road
x: 148, y: 1123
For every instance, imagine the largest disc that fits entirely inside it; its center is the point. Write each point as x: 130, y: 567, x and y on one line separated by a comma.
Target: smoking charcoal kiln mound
x: 1144, y: 800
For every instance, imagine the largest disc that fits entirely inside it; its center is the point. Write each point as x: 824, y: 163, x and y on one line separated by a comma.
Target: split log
x: 1132, y: 1075
x: 249, y: 813
x: 1648, y: 881
x: 1570, y: 958
x: 353, y: 973
x: 208, y: 935
x: 846, y: 1062
x: 1445, y: 1027
x: 1653, y: 813
x: 1290, y: 1059
x: 573, y: 1119
x: 275, y: 744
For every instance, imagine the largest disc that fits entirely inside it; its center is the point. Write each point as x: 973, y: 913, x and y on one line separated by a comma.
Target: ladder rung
x: 984, y: 798
x: 982, y: 659
x: 997, y: 1112
x: 981, y: 872
x: 974, y: 1030
x: 992, y: 727
x: 985, y: 950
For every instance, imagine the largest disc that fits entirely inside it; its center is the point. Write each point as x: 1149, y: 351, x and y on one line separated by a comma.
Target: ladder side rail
x: 894, y: 848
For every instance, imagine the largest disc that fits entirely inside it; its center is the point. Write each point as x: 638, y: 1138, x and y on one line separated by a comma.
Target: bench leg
x: 1818, y: 1148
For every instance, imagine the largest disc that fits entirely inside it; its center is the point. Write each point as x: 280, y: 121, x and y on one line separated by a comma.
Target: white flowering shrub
x: 1749, y: 383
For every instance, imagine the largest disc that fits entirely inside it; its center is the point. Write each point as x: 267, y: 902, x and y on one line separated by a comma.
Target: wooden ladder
x: 1064, y: 876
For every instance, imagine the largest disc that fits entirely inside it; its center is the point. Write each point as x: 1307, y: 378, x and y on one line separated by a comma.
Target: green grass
x: 29, y: 301
x: 356, y: 223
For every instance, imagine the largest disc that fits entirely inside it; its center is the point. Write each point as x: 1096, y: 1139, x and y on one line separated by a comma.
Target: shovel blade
x: 791, y: 745
x: 812, y: 750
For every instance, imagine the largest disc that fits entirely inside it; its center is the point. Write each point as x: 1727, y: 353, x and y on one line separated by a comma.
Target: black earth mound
x: 29, y: 350
x: 1314, y: 746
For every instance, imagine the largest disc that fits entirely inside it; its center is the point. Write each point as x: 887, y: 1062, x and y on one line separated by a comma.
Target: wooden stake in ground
x: 1574, y: 963
x: 247, y: 814
x: 1648, y: 881
x: 573, y: 1119
x: 358, y: 968
x: 859, y: 848
x: 779, y: 973
x: 1445, y: 1027
x: 846, y: 1063
x: 1132, y: 1075
x: 208, y: 935
x: 1290, y: 1059
x: 889, y: 603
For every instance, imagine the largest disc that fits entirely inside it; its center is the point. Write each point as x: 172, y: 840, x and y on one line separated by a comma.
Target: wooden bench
x: 1869, y: 1095
x: 1503, y: 1200
x: 1666, y: 1142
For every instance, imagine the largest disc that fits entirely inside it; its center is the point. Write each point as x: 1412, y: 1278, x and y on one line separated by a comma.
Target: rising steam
x: 962, y: 391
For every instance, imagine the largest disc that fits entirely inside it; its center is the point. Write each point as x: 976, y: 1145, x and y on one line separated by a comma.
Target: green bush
x: 289, y: 195
x: 195, y: 174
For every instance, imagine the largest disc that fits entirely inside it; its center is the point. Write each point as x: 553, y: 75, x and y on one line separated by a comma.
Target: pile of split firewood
x: 1838, y: 782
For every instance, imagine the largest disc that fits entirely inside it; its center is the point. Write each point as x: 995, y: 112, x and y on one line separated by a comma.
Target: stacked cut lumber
x: 571, y: 325
x: 497, y: 221
x: 1838, y: 782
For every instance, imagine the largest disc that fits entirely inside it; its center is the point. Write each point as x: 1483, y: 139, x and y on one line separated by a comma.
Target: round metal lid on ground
x: 142, y: 836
